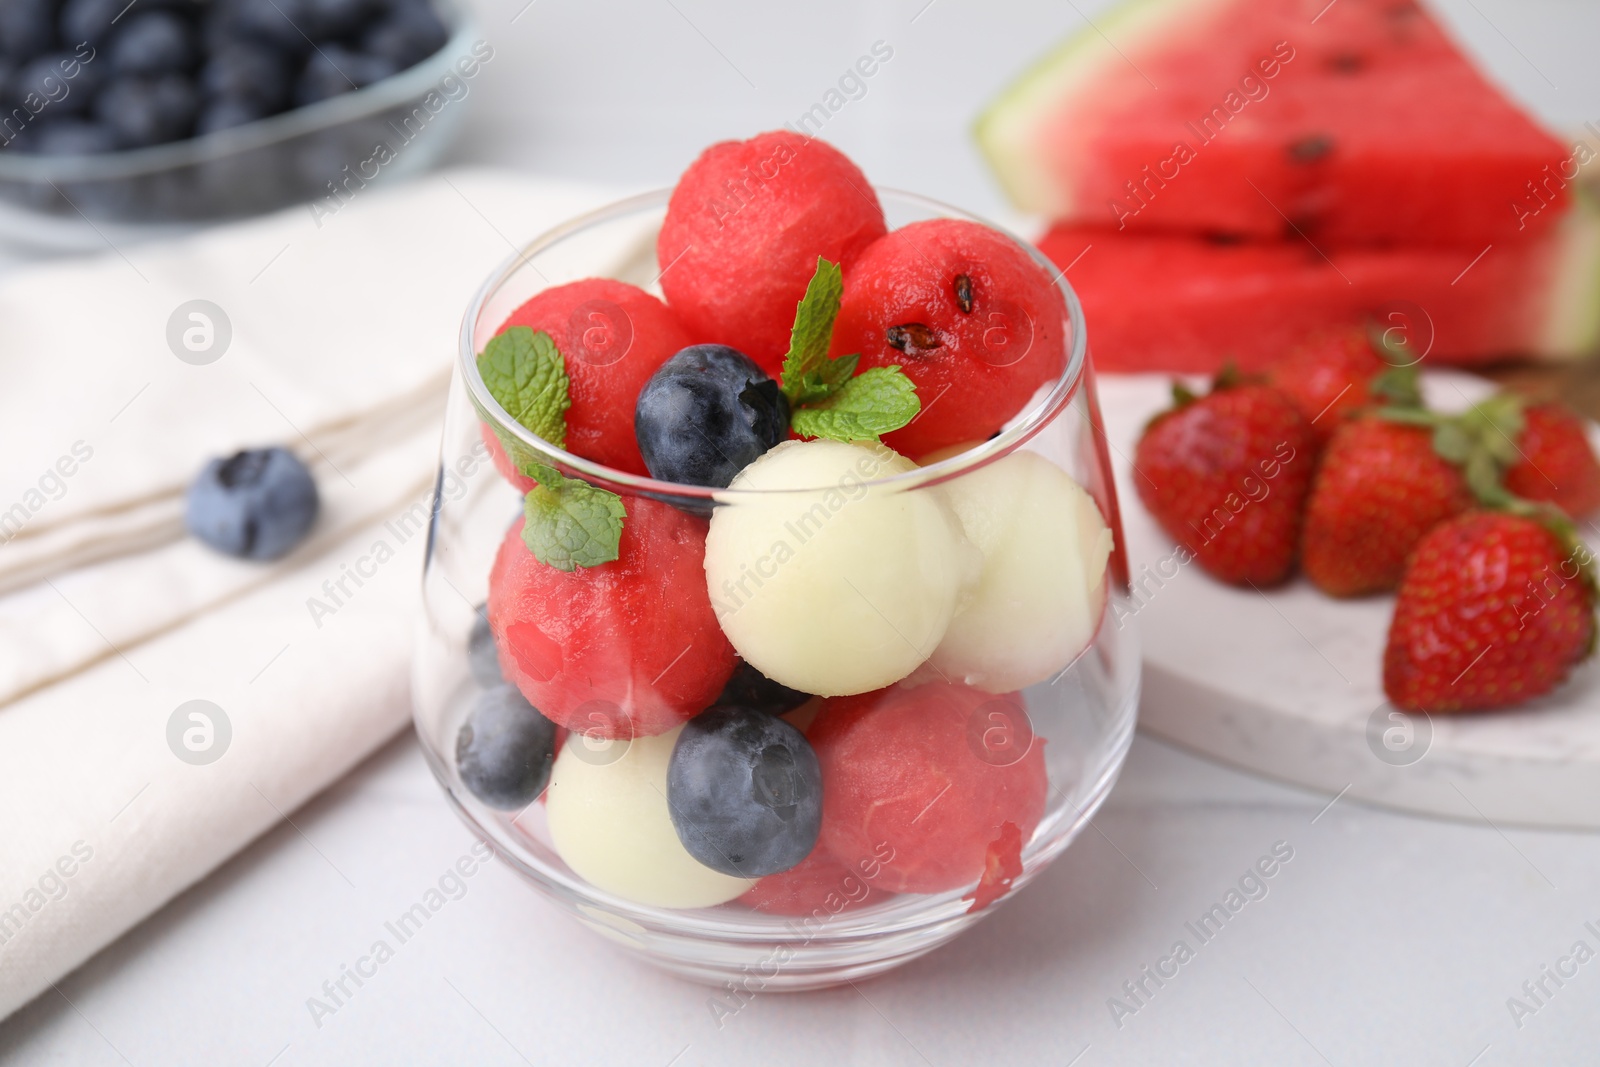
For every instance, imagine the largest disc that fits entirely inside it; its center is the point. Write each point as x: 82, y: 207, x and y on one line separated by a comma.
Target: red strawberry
x: 1555, y: 461
x: 1379, y: 489
x: 1329, y: 377
x: 1494, y: 609
x: 1226, y: 476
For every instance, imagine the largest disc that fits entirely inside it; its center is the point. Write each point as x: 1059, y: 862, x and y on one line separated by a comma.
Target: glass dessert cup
x: 1076, y: 666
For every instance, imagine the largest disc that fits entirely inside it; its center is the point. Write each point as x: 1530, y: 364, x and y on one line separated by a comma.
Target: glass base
x: 778, y: 954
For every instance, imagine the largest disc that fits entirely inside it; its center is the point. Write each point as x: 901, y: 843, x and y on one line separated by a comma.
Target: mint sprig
x: 527, y: 376
x: 570, y: 523
x: 826, y: 396
x: 804, y: 377
x: 873, y: 403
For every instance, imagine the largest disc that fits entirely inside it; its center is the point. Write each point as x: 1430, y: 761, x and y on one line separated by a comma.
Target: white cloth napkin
x: 343, y: 335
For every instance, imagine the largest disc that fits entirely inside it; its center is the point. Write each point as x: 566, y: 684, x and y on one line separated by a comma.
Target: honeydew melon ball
x: 1042, y: 585
x: 608, y: 816
x: 840, y: 589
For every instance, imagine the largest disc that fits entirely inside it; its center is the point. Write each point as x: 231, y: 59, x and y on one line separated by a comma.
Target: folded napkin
x: 343, y: 334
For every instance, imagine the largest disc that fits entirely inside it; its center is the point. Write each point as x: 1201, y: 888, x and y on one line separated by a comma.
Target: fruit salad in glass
x: 776, y: 618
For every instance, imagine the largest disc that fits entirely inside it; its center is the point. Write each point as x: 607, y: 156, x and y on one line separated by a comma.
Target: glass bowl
x: 326, y: 151
x: 1073, y: 725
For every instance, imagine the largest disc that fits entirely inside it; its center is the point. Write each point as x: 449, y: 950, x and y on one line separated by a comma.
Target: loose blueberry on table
x: 256, y: 504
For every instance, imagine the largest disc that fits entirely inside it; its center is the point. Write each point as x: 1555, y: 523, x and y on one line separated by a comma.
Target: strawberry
x: 1495, y: 608
x: 1554, y: 460
x: 1226, y: 476
x: 1329, y: 377
x: 1380, y: 487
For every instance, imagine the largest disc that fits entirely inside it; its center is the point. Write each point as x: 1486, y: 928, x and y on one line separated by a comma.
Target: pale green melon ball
x: 1042, y: 587
x: 609, y: 820
x: 840, y: 589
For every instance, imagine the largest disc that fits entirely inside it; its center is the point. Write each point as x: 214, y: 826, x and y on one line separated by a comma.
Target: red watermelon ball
x: 969, y: 316
x: 818, y: 886
x: 501, y: 461
x: 921, y: 778
x: 612, y: 337
x: 743, y: 231
x: 630, y: 648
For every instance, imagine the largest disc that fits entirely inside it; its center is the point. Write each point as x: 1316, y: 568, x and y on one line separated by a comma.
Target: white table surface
x: 1388, y: 939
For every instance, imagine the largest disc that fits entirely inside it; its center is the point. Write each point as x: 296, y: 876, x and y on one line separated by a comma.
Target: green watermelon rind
x: 1007, y: 129
x: 1571, y: 326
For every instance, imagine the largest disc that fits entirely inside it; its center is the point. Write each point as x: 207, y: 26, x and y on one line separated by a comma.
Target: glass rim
x: 381, y: 95
x: 1024, y: 425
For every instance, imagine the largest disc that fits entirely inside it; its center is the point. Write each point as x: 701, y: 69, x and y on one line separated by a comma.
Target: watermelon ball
x: 610, y: 823
x: 625, y: 649
x: 612, y: 337
x: 749, y: 688
x: 819, y: 886
x: 504, y: 750
x: 906, y: 770
x: 828, y: 585
x: 706, y: 414
x: 1042, y: 587
x: 745, y: 792
x: 501, y: 461
x: 743, y: 231
x: 969, y: 316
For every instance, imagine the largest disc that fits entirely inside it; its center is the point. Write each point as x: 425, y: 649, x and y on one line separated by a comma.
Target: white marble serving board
x: 1287, y: 682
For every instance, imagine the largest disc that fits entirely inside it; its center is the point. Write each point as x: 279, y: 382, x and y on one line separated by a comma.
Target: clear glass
x: 71, y: 201
x: 1083, y: 713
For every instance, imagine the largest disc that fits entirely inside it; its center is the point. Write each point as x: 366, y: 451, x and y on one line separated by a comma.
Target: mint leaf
x: 808, y: 339
x: 872, y: 403
x: 570, y: 523
x: 825, y: 380
x: 527, y: 376
x: 837, y: 371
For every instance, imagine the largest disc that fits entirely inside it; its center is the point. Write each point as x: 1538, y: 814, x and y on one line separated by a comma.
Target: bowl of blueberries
x: 166, y: 113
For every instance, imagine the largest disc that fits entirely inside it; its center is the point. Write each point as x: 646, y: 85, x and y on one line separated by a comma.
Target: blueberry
x: 338, y: 18
x: 141, y: 111
x: 92, y: 21
x: 481, y: 654
x: 152, y: 43
x: 504, y: 750
x: 749, y: 688
x: 72, y: 137
x: 256, y: 504
x: 410, y: 33
x: 226, y: 112
x: 47, y: 79
x: 27, y: 28
x: 706, y: 414
x: 89, y: 21
x: 334, y: 69
x: 243, y: 71
x: 745, y: 792
x: 279, y: 23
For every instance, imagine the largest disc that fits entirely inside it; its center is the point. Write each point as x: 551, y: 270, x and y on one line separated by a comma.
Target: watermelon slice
x: 1357, y: 121
x: 1189, y: 304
